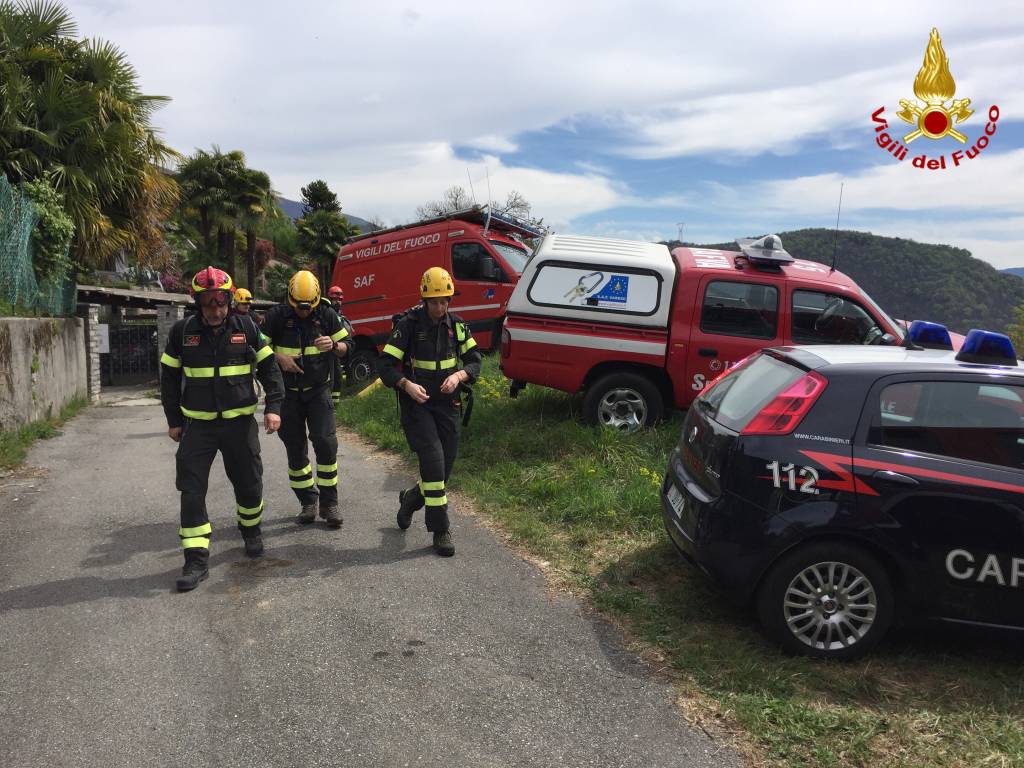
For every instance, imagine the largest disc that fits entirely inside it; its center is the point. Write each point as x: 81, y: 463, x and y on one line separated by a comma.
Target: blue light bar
x: 930, y: 335
x: 988, y: 348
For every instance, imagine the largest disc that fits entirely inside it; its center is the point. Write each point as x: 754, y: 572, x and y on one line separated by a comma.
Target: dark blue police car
x: 840, y: 488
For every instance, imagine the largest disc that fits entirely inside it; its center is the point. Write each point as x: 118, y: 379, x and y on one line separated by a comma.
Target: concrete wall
x: 42, y: 367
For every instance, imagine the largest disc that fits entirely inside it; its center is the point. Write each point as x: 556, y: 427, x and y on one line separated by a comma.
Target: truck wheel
x: 362, y: 368
x: 828, y: 600
x: 625, y: 401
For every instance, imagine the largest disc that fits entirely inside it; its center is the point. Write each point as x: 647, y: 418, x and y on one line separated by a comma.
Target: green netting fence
x: 18, y: 284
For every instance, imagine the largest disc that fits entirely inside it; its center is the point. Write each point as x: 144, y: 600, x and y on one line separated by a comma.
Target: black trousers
x: 432, y: 430
x: 337, y: 378
x: 315, y: 410
x: 239, y: 444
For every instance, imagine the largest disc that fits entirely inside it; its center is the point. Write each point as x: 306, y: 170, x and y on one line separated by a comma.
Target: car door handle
x: 895, y: 478
x: 706, y: 352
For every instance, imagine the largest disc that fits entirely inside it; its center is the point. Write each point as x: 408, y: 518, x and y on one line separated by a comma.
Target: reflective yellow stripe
x: 249, y: 510
x: 234, y: 412
x: 327, y: 481
x: 200, y: 530
x: 430, y: 365
x: 263, y: 353
x: 248, y: 523
x: 170, y: 362
x: 327, y: 467
x: 432, y: 486
x: 301, y: 483
x: 464, y: 348
x: 460, y: 332
x: 435, y: 501
x: 293, y: 351
x: 201, y: 415
x: 339, y: 335
x: 190, y: 543
x: 308, y: 470
x: 394, y: 351
x: 198, y: 373
x: 235, y: 370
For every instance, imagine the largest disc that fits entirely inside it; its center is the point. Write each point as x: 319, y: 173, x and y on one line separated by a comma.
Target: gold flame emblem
x: 934, y: 85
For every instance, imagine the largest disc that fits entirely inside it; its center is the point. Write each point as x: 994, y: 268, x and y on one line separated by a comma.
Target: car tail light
x: 506, y: 342
x: 784, y: 413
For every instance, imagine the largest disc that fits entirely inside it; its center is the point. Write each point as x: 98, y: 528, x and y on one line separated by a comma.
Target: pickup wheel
x: 362, y: 368
x: 624, y: 401
x: 829, y: 600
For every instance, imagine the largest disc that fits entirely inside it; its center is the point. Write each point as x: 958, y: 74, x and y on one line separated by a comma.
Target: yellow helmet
x: 436, y: 283
x: 304, y: 290
x: 242, y: 296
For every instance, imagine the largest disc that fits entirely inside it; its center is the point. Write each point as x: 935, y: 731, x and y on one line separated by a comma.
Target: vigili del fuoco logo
x: 934, y: 115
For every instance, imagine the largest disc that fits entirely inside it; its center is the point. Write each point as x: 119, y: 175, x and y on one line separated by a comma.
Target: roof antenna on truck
x: 471, y: 191
x: 487, y: 223
x: 835, y: 240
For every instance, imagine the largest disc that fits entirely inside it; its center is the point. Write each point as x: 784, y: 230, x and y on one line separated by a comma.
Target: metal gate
x: 133, y: 355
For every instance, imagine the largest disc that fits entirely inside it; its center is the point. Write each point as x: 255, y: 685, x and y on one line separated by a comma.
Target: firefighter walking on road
x: 206, y: 387
x: 307, y: 337
x: 428, y: 358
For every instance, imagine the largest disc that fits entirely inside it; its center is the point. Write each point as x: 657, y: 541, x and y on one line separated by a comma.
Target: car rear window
x: 739, y: 397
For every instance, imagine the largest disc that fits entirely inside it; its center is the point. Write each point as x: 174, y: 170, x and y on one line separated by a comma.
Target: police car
x: 841, y: 488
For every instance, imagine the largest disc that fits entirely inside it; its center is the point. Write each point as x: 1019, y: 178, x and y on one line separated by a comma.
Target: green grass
x: 14, y: 445
x: 586, y: 500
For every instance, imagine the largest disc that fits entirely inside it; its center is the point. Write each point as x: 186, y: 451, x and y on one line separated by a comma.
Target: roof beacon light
x: 987, y: 348
x: 930, y: 335
x: 764, y: 252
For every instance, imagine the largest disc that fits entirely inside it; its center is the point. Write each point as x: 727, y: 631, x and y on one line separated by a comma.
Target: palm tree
x: 72, y: 110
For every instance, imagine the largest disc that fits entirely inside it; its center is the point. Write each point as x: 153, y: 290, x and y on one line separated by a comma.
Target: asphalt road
x: 357, y: 647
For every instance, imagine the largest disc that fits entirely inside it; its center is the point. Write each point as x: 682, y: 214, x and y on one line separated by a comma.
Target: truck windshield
x: 898, y: 327
x: 516, y: 257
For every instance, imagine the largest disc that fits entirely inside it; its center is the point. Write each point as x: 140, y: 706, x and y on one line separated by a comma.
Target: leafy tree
x: 1015, y: 330
x: 72, y: 111
x: 319, y: 197
x: 321, y: 235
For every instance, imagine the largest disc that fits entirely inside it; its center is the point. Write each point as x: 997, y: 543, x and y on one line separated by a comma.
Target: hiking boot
x: 197, y: 568
x: 406, y: 508
x: 307, y: 515
x: 331, y: 516
x: 253, y: 544
x: 443, y: 544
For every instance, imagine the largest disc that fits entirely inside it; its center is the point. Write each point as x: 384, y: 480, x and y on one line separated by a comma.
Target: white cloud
x: 492, y: 144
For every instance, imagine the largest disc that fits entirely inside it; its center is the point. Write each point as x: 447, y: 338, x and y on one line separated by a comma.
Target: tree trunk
x: 250, y: 259
x: 206, y: 229
x: 230, y: 261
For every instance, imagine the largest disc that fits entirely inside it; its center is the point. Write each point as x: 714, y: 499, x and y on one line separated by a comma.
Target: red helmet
x: 335, y: 292
x: 212, y: 279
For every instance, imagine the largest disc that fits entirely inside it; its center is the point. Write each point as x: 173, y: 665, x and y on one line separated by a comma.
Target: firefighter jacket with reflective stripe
x: 292, y: 335
x: 428, y: 354
x: 207, y: 373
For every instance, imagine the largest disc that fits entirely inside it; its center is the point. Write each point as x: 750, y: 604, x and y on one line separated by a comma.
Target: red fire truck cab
x: 639, y: 329
x: 380, y: 273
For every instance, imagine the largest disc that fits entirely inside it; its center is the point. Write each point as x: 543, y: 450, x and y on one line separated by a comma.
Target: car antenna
x: 487, y: 224
x: 472, y: 193
x: 835, y: 240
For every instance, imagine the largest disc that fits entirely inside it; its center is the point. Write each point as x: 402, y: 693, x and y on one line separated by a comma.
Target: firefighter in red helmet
x: 215, y: 353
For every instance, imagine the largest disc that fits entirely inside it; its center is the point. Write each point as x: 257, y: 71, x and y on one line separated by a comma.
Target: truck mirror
x: 489, y: 269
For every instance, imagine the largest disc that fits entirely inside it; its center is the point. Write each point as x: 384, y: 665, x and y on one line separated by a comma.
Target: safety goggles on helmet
x: 214, y: 299
x: 242, y: 296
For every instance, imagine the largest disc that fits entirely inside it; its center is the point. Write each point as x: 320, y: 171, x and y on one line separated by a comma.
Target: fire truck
x: 379, y: 272
x: 638, y: 328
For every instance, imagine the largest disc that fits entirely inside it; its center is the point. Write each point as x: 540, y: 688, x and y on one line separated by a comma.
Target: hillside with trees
x: 913, y: 280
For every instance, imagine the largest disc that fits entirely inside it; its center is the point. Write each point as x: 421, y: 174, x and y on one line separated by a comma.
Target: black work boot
x: 443, y: 544
x: 197, y: 568
x: 407, y: 506
x: 253, y: 541
x: 307, y: 515
x: 331, y: 516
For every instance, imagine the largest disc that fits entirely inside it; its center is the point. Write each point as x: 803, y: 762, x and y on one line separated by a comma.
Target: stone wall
x: 42, y: 367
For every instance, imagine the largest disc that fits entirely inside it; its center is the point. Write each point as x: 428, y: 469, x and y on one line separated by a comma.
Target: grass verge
x: 14, y: 445
x: 586, y: 500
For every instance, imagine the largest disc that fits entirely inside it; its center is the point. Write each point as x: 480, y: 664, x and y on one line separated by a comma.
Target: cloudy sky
x: 622, y: 119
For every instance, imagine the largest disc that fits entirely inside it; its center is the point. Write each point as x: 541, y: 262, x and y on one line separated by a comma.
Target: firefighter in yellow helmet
x: 243, y: 302
x: 307, y: 336
x: 214, y: 354
x: 428, y: 358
